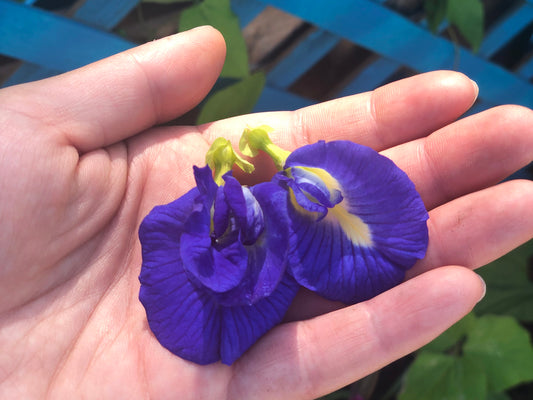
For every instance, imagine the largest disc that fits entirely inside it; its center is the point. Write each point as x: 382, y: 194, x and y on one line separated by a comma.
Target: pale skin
x: 82, y: 164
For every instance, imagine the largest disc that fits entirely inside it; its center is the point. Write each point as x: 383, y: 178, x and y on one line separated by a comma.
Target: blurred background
x: 289, y: 53
x: 286, y: 54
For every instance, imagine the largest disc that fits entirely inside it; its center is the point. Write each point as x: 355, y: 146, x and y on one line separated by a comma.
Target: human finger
x: 112, y: 99
x: 395, y: 113
x: 307, y: 359
x: 476, y: 229
x: 468, y: 155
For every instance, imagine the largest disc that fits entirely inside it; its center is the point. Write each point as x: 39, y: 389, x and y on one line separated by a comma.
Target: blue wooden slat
x: 526, y: 70
x: 52, y: 41
x: 375, y: 74
x: 371, y: 77
x: 508, y: 28
x: 387, y: 33
x: 273, y: 99
x: 378, y: 72
x: 104, y: 14
x: 98, y: 13
x: 247, y: 10
x: 302, y: 58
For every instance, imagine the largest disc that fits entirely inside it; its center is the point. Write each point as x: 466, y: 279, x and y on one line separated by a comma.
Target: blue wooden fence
x: 49, y: 44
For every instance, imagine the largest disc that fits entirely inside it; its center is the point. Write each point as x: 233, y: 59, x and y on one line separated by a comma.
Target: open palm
x: 81, y: 164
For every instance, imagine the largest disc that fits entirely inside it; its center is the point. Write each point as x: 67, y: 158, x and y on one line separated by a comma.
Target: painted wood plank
x: 497, y: 38
x: 247, y: 10
x: 373, y: 26
x: 273, y: 99
x: 506, y: 30
x: 103, y: 14
x: 306, y: 54
x: 54, y: 42
x: 526, y: 70
x: 373, y: 76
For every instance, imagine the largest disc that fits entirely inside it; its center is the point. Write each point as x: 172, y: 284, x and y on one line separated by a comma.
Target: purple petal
x: 187, y: 319
x: 221, y: 212
x: 326, y: 262
x: 235, y: 199
x: 164, y: 223
x: 184, y: 271
x: 267, y: 258
x: 184, y: 319
x: 242, y: 326
x: 312, y: 184
x: 366, y: 242
x: 254, y: 218
x: 205, y: 182
x: 246, y: 210
x: 217, y: 269
x: 166, y: 292
x: 305, y: 202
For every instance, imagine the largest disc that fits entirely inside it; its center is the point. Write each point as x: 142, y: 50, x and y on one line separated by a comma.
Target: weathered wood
x: 266, y: 33
x: 304, y: 56
x: 389, y: 34
x: 506, y: 30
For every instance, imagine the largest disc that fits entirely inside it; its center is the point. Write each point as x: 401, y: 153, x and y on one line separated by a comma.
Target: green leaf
x: 452, y: 336
x: 467, y: 16
x: 218, y: 14
x: 509, y: 288
x: 233, y: 100
x: 502, y: 349
x: 435, y: 13
x: 443, y: 377
x: 497, y: 353
x: 498, y: 396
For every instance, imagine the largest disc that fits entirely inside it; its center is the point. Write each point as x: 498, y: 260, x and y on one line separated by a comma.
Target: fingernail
x: 476, y: 88
x: 484, y: 288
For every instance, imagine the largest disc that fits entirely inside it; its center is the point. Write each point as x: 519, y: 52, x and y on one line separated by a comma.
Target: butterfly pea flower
x: 358, y: 221
x: 222, y: 263
x: 213, y: 277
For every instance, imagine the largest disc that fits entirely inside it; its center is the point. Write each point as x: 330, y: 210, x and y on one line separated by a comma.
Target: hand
x: 82, y: 164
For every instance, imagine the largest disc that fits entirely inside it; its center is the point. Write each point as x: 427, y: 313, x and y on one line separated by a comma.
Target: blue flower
x: 213, y: 277
x: 358, y: 221
x: 222, y: 263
